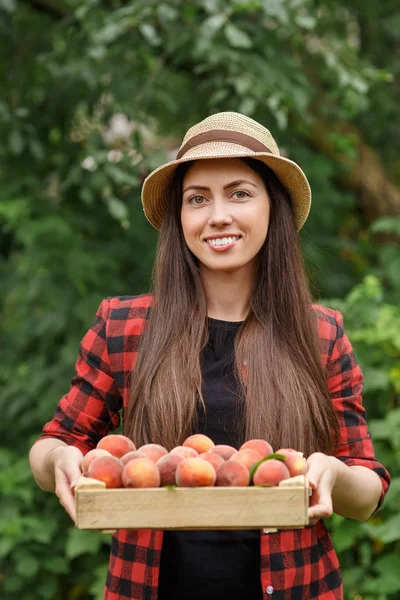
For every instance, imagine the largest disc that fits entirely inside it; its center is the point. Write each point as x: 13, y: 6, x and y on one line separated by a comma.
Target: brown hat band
x: 223, y: 135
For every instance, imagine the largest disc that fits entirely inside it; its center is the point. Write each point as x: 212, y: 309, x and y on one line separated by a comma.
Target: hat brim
x: 156, y: 184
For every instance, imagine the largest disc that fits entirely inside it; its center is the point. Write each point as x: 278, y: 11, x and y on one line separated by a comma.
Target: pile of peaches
x: 197, y: 463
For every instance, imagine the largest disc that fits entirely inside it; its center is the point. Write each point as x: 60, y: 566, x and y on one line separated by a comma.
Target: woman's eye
x: 197, y: 200
x: 240, y: 194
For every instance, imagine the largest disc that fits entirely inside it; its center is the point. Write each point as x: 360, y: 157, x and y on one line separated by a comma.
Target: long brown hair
x: 277, y: 349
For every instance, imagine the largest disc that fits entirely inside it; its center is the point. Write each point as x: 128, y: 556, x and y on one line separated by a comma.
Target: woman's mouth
x: 223, y: 242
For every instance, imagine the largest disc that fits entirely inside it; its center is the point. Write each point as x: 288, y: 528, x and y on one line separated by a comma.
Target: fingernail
x: 73, y: 483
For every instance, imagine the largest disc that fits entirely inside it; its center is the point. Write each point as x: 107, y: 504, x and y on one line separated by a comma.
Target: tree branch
x: 364, y: 174
x: 56, y: 8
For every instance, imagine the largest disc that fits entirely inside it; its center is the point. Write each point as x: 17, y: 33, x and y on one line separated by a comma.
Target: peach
x: 153, y: 451
x: 246, y: 457
x: 213, y: 458
x: 295, y: 461
x: 260, y: 446
x: 271, y: 472
x: 184, y: 451
x: 141, y: 473
x: 199, y: 442
x: 132, y: 456
x: 91, y: 455
x: 116, y: 444
x: 224, y: 450
x: 195, y: 472
x: 233, y: 473
x: 167, y: 466
x: 107, y: 469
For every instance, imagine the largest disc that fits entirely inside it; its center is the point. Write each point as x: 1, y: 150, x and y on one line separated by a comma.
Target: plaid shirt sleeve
x: 91, y: 407
x: 345, y: 382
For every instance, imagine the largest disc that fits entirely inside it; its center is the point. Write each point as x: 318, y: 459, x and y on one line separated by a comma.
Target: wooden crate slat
x: 193, y: 508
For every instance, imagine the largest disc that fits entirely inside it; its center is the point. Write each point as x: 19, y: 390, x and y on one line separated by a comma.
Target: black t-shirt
x: 214, y: 564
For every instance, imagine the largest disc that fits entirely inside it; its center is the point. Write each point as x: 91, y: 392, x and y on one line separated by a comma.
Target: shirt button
x: 270, y: 589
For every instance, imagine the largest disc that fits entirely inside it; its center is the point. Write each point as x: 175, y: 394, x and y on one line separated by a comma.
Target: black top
x: 214, y: 564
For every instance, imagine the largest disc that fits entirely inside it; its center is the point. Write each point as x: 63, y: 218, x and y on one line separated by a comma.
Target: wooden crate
x: 281, y: 507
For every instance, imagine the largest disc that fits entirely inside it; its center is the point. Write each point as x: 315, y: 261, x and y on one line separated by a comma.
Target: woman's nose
x: 220, y: 214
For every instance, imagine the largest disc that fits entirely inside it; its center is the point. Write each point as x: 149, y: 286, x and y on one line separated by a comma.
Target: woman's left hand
x: 321, y: 476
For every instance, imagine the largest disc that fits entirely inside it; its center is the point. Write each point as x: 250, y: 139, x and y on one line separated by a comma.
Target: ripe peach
x: 140, y: 473
x: 90, y: 456
x: 107, y: 469
x: 195, y: 472
x: 184, y: 451
x: 295, y: 461
x: 167, y: 466
x: 199, y: 442
x: 260, y: 446
x: 271, y: 472
x: 116, y: 444
x: 233, y: 473
x: 224, y: 450
x: 213, y: 458
x: 247, y: 457
x: 153, y: 451
x: 135, y: 454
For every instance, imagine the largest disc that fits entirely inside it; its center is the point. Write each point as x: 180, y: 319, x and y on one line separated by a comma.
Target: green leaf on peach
x: 255, y: 465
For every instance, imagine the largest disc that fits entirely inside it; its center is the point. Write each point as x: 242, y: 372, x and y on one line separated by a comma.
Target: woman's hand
x: 66, y: 461
x: 321, y: 475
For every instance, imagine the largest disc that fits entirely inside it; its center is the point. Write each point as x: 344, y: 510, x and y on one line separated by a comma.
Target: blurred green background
x: 96, y: 93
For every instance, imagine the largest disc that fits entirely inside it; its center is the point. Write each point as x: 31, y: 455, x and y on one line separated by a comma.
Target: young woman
x: 228, y: 344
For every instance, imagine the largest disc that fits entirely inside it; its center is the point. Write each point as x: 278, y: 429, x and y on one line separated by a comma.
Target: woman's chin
x: 230, y: 267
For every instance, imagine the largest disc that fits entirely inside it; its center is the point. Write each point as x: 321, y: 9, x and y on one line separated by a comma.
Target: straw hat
x: 227, y: 135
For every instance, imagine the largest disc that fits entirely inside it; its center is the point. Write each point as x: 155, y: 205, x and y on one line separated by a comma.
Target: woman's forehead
x: 219, y: 168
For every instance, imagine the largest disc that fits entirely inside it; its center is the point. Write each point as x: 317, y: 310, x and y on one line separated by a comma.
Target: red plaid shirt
x: 295, y: 564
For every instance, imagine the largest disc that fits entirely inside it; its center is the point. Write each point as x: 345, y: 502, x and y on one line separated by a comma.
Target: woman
x: 229, y: 345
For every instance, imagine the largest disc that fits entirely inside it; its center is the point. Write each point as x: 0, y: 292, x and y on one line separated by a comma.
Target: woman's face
x: 225, y: 214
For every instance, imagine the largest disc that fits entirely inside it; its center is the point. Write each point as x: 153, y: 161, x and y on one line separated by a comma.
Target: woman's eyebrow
x: 226, y: 187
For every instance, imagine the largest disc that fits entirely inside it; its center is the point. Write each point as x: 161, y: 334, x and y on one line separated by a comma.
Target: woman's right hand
x: 67, y: 470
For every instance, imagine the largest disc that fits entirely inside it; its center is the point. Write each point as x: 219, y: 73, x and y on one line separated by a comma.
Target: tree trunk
x: 362, y: 168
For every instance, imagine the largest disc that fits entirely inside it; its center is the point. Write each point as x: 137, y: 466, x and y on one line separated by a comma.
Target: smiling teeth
x: 222, y: 241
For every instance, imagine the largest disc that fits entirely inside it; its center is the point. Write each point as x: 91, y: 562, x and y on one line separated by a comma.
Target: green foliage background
x: 73, y: 231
